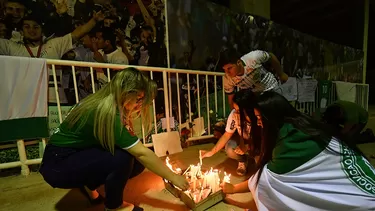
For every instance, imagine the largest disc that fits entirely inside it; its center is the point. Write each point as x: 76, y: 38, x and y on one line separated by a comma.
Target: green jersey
x: 83, y: 137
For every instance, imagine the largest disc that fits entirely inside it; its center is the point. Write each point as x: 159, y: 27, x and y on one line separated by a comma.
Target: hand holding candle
x: 206, y: 154
x: 227, y: 188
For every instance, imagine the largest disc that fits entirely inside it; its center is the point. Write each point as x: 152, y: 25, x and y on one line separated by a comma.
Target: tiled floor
x: 18, y: 193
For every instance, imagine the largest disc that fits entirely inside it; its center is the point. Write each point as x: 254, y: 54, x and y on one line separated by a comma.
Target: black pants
x: 74, y: 168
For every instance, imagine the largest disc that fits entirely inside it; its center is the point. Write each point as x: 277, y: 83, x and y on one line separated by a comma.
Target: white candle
x: 200, y: 194
x: 204, y: 180
x: 200, y: 157
x: 216, y: 181
x: 194, y: 180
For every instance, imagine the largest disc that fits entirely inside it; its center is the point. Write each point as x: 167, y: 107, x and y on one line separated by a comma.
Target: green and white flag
x: 23, y: 98
x: 337, y: 178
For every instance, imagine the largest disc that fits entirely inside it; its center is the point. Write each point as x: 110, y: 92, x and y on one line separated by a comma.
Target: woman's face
x: 135, y: 104
x: 259, y: 117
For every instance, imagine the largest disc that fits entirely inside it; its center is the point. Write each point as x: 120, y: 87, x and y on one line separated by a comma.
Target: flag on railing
x: 23, y: 94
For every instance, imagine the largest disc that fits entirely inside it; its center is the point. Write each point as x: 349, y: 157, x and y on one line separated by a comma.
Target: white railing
x: 166, y: 85
x: 55, y: 67
x: 202, y: 109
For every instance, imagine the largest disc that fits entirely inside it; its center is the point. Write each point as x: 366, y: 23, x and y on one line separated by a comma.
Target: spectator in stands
x: 301, y: 166
x: 106, y: 40
x: 255, y: 70
x: 96, y: 143
x: 5, y: 32
x: 34, y: 46
x: 348, y: 119
x: 14, y: 12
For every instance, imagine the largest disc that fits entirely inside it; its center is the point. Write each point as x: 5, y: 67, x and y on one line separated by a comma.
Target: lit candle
x: 226, y: 178
x: 178, y: 171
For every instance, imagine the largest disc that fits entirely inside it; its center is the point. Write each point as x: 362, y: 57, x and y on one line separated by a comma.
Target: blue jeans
x: 231, y: 146
x: 64, y: 167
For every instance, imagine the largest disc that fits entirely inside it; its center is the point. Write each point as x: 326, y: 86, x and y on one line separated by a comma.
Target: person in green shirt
x: 347, y: 119
x: 96, y: 143
x: 301, y: 165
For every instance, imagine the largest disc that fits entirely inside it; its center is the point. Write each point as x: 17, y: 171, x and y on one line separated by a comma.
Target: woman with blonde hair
x: 96, y: 143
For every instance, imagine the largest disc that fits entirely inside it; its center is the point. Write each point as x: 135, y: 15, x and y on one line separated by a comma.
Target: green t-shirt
x: 84, y: 137
x: 293, y: 149
x: 353, y: 113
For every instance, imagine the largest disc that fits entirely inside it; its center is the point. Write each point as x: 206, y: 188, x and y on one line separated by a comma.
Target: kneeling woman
x: 302, y: 167
x: 96, y: 144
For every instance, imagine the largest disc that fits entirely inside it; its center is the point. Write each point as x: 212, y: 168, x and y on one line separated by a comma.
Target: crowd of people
x: 116, y: 32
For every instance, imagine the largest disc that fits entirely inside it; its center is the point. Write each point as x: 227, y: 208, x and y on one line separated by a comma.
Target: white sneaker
x: 242, y: 168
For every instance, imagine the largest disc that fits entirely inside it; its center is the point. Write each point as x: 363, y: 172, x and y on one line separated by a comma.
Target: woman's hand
x: 227, y: 188
x: 206, y: 154
x: 180, y: 181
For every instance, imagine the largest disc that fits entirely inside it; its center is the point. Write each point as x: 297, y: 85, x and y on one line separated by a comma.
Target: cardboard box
x: 206, y: 203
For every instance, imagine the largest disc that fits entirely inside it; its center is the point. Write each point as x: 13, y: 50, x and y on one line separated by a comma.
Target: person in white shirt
x: 32, y: 29
x: 34, y: 46
x: 106, y: 40
x: 255, y: 70
x: 234, y: 143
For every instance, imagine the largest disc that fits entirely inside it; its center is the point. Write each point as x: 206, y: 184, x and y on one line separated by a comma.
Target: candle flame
x: 198, y: 190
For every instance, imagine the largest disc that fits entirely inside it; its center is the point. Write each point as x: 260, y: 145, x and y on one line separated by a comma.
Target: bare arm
x: 121, y: 35
x: 237, y: 188
x: 154, y: 164
x: 146, y: 16
x: 276, y: 66
x: 242, y: 187
x: 221, y: 143
x: 80, y: 31
x: 230, y: 100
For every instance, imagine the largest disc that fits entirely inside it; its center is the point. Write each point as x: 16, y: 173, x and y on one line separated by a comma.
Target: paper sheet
x: 289, y: 89
x: 166, y: 142
x: 346, y: 91
x: 306, y: 90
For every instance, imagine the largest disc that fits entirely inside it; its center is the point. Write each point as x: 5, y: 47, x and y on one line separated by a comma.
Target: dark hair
x: 275, y: 111
x: 8, y: 32
x: 147, y: 28
x: 23, y: 2
x: 110, y: 36
x: 228, y: 56
x: 332, y: 115
x: 33, y: 17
